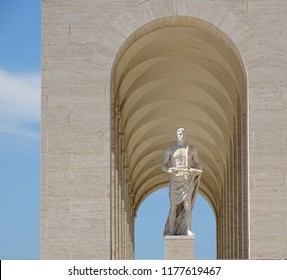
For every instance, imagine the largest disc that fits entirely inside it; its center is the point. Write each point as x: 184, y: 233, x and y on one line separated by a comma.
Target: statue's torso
x: 180, y: 156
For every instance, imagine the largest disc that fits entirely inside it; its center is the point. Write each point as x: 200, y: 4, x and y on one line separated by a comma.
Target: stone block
x: 179, y: 247
x: 266, y: 12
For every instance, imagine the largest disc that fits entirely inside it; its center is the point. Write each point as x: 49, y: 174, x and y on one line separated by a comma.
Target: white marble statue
x: 181, y: 162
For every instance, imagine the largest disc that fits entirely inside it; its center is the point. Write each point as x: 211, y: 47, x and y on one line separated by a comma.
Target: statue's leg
x: 171, y: 219
x: 187, y: 209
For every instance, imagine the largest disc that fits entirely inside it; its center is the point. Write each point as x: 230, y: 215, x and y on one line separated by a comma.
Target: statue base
x: 179, y: 247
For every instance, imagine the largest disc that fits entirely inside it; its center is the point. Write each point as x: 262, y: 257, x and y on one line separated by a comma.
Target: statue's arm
x: 166, y: 158
x: 196, y: 160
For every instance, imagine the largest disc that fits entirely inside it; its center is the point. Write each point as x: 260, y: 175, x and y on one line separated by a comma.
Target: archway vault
x: 182, y: 72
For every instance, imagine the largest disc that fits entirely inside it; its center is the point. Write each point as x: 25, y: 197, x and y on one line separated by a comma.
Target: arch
x: 125, y: 48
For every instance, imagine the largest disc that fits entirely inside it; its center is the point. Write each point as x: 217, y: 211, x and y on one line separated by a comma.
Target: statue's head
x: 180, y: 134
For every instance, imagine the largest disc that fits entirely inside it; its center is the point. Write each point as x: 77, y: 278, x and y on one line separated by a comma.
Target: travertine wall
x: 78, y: 52
x: 75, y: 181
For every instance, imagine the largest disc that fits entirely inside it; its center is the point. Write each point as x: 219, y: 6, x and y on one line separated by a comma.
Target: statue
x: 181, y: 161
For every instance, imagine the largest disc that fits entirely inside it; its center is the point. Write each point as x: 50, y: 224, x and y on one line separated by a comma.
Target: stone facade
x: 82, y: 42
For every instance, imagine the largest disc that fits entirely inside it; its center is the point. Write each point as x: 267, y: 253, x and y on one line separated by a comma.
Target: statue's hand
x: 179, y: 171
x: 173, y: 171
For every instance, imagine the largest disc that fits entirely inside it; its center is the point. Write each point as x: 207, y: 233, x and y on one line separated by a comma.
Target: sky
x: 20, y: 83
x: 20, y: 66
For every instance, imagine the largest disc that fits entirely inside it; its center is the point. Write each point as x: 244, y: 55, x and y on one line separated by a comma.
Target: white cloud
x: 20, y: 98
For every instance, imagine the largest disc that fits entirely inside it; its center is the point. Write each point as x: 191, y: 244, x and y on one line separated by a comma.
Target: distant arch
x: 149, y: 243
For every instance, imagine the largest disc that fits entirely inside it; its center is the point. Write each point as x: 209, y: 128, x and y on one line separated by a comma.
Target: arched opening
x: 150, y: 220
x: 180, y: 71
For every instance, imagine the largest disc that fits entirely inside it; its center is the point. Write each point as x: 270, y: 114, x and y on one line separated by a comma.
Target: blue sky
x: 20, y: 66
x: 19, y: 128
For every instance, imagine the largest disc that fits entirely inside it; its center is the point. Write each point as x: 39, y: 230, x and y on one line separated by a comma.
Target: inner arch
x: 182, y: 76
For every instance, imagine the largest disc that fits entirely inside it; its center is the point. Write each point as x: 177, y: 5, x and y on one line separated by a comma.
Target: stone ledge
x: 177, y: 237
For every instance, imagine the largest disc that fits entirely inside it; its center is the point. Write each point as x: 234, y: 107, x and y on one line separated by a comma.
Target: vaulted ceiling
x: 178, y: 77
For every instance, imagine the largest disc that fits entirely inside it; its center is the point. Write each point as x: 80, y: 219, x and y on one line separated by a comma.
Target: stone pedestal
x: 179, y: 247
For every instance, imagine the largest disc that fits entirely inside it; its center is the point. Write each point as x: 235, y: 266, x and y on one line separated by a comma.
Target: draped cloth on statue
x: 181, y: 188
